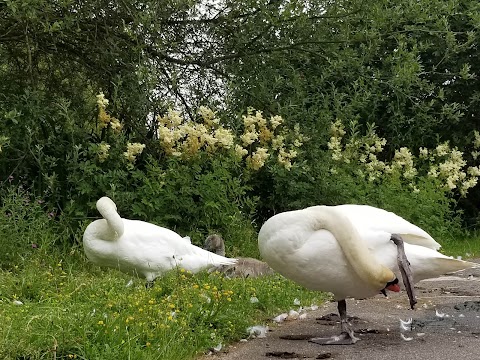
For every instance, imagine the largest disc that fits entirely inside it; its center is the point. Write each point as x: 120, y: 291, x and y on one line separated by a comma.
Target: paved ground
x: 454, y: 336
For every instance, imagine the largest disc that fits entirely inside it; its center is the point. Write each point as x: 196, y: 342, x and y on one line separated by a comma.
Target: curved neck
x: 108, y: 210
x: 353, y: 246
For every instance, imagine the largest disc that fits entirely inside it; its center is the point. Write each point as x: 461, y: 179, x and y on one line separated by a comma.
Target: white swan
x: 352, y: 251
x: 245, y: 267
x: 141, y: 248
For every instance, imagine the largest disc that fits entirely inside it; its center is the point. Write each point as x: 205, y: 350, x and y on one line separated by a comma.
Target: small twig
x: 54, y: 349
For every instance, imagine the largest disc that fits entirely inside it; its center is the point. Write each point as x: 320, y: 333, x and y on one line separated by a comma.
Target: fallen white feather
x: 207, y: 299
x: 461, y: 315
x: 420, y: 334
x: 406, y: 338
x: 218, y: 347
x: 292, y: 315
x: 406, y: 325
x: 17, y: 302
x: 439, y: 314
x: 302, y: 316
x: 280, y: 318
x: 296, y: 302
x: 254, y: 300
x: 257, y: 331
x: 130, y: 283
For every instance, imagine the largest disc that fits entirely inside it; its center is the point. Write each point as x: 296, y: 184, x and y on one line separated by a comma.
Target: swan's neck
x: 114, y: 221
x: 354, y: 248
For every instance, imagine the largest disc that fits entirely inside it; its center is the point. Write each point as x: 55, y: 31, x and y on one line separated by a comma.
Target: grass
x: 56, y: 305
x: 71, y: 309
x: 467, y: 246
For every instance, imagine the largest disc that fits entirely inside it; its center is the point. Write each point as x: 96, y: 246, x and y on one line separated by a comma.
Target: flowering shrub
x: 443, y: 163
x: 261, y: 138
x: 193, y: 175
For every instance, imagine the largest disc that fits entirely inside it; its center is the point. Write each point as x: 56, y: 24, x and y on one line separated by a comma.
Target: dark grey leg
x: 149, y: 284
x: 347, y: 337
x: 404, y: 266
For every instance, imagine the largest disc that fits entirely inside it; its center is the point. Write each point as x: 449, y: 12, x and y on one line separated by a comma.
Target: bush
x: 25, y: 227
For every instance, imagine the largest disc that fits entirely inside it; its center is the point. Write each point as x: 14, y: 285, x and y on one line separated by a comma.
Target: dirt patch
x: 326, y: 355
x: 333, y: 319
x: 297, y: 337
x: 284, y: 355
x: 468, y: 306
x: 445, y: 325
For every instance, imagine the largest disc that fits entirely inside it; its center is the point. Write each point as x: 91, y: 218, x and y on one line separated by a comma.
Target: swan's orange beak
x: 393, y: 287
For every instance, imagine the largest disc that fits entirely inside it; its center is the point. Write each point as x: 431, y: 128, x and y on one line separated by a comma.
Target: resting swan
x: 352, y: 251
x: 245, y: 267
x: 141, y: 248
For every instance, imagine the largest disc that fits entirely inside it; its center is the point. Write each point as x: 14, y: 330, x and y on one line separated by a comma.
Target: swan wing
x: 370, y: 219
x: 163, y: 249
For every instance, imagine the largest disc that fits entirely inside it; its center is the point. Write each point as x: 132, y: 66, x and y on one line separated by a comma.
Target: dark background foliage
x: 408, y: 66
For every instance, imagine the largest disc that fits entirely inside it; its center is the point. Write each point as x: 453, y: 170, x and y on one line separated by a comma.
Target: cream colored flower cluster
x: 105, y: 119
x: 133, y: 150
x: 444, y: 163
x: 179, y: 137
x: 362, y: 150
x: 262, y: 137
x: 102, y: 151
x: 448, y: 165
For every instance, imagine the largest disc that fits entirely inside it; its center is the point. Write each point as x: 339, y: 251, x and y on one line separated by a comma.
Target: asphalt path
x: 431, y: 336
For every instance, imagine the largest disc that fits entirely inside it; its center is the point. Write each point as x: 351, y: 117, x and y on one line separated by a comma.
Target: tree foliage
x: 408, y: 66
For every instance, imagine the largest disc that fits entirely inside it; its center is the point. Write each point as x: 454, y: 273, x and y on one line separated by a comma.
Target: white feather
x: 406, y: 325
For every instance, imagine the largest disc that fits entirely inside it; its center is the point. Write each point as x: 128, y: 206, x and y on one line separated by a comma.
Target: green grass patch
x: 467, y: 246
x: 70, y: 309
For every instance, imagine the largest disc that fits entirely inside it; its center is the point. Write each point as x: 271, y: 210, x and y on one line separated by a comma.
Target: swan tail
x: 420, y: 241
x: 448, y: 265
x: 221, y: 260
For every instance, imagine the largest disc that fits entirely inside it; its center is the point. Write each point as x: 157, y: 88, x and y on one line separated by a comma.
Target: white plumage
x: 141, y: 248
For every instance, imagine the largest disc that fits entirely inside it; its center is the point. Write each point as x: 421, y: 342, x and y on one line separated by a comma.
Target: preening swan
x: 245, y: 267
x: 352, y: 251
x: 141, y: 248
